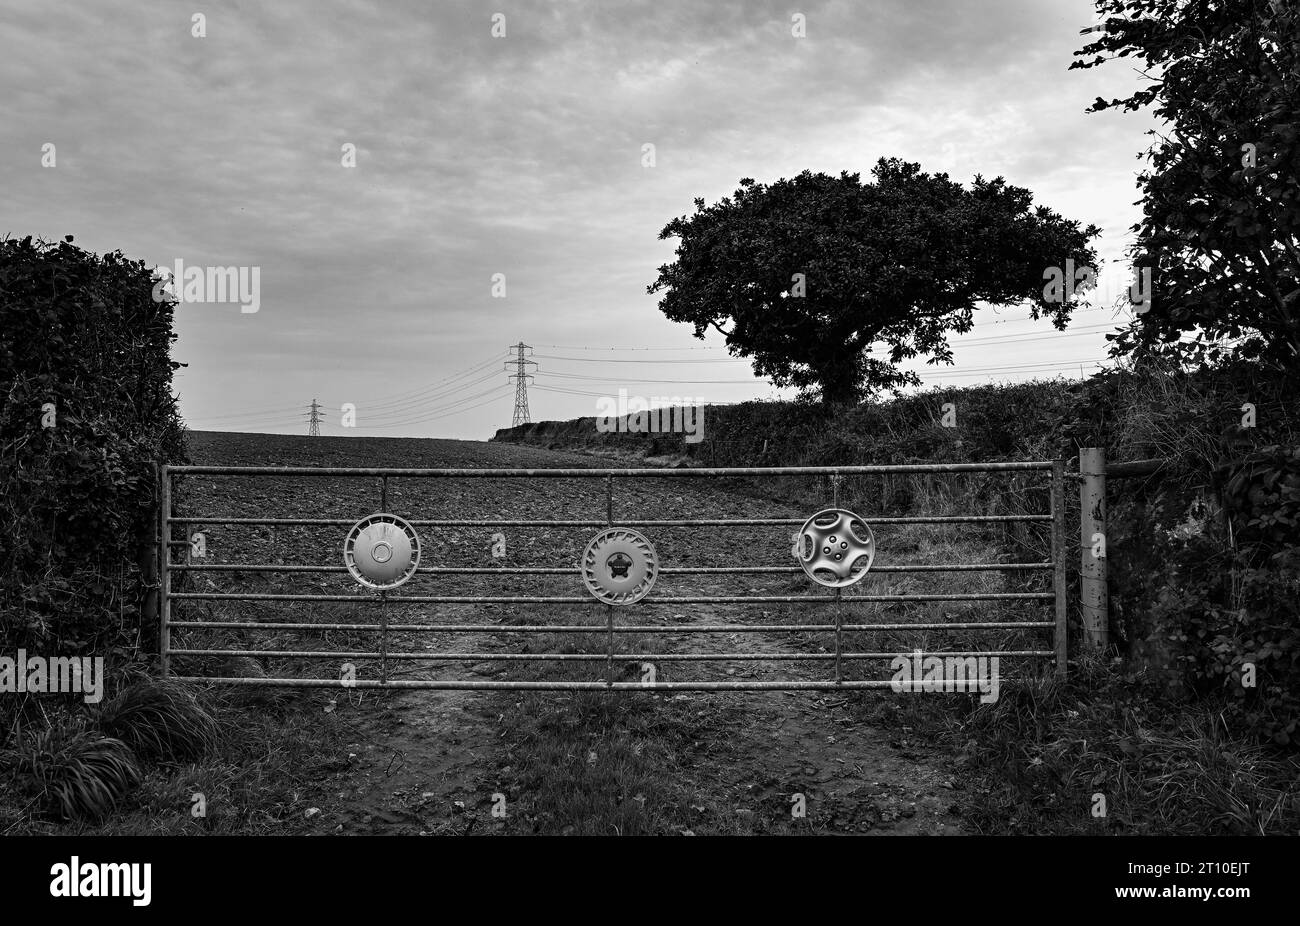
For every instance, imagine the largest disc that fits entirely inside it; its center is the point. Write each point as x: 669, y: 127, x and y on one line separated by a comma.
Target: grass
x: 1037, y: 760
x: 252, y: 780
x: 159, y: 720
x: 596, y: 763
x: 72, y: 773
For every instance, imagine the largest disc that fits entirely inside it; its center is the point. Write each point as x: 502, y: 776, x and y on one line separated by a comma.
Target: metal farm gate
x: 177, y: 626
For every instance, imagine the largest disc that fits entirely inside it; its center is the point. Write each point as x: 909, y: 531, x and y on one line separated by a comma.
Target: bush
x: 1039, y: 757
x: 74, y: 773
x: 86, y: 373
x: 161, y: 720
x: 1203, y: 570
x: 1232, y: 606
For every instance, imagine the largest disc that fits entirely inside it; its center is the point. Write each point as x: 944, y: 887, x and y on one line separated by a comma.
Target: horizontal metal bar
x: 588, y: 601
x: 602, y: 472
x: 574, y: 570
x: 828, y: 685
x: 601, y: 628
x: 591, y: 657
x: 696, y: 522
x: 348, y: 522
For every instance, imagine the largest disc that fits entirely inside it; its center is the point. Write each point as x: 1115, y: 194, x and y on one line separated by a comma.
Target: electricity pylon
x: 521, y: 378
x: 313, y: 423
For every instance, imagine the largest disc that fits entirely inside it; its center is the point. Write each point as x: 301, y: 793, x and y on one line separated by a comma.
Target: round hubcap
x: 381, y: 551
x: 619, y: 566
x: 835, y: 547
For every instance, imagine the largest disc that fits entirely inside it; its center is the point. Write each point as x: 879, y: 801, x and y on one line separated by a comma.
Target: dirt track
x: 430, y: 762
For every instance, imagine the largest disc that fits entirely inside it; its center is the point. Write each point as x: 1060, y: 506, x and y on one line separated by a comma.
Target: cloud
x: 518, y: 155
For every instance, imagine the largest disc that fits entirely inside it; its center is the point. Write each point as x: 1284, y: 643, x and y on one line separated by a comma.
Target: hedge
x: 86, y: 371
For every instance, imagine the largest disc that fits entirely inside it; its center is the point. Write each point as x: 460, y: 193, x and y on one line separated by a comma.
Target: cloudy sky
x: 518, y: 155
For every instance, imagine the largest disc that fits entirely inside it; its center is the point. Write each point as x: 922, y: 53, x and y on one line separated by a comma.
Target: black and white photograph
x: 672, y: 419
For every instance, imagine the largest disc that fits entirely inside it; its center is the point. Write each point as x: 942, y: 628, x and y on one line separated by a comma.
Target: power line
x: 958, y: 341
x: 434, y: 388
x: 291, y: 416
x: 1019, y: 339
x: 925, y: 374
x: 999, y: 321
x: 401, y: 398
x: 602, y: 395
x: 1029, y: 368
x: 606, y: 379
x: 1092, y: 329
x: 250, y: 429
x: 564, y: 391
x: 401, y: 424
x: 639, y: 360
x: 198, y: 424
x: 450, y: 407
x: 414, y: 405
x: 570, y: 347
x: 262, y: 413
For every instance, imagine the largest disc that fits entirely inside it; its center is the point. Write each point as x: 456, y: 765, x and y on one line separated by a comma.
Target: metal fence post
x: 839, y: 636
x: 148, y: 562
x: 164, y: 568
x: 609, y: 645
x: 383, y: 638
x: 1058, y: 564
x: 609, y: 608
x: 1093, y: 604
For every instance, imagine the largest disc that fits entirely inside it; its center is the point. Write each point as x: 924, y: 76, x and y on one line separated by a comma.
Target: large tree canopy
x: 829, y: 282
x: 1220, y: 231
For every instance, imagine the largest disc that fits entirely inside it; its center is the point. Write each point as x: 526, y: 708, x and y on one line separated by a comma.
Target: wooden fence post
x: 1093, y: 603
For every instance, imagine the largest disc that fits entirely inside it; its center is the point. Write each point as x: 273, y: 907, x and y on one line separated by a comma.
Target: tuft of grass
x: 1043, y: 753
x: 74, y: 773
x: 160, y: 719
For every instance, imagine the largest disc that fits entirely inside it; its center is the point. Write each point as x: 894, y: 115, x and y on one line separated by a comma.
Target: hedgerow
x: 86, y: 374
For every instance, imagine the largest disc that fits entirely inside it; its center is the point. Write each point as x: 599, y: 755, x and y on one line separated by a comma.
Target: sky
x: 416, y: 186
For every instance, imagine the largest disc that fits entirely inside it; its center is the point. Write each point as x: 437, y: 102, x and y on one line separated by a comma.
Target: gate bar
x: 589, y: 601
x: 698, y: 522
x: 466, y: 685
x: 574, y: 570
x: 601, y: 472
x: 595, y: 657
x: 624, y: 628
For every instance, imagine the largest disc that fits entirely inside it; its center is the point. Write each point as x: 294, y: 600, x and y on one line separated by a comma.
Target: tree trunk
x: 838, y: 389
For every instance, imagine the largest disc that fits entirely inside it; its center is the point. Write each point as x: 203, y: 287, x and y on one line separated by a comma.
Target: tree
x: 1221, y: 211
x: 828, y: 282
